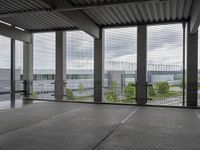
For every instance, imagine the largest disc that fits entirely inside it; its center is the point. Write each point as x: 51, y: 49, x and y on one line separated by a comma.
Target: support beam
x: 60, y: 77
x: 28, y: 67
x: 141, y: 87
x: 99, y: 68
x: 195, y: 17
x: 83, y: 22
x: 192, y: 68
x: 14, y: 33
x: 106, y: 4
x: 77, y: 18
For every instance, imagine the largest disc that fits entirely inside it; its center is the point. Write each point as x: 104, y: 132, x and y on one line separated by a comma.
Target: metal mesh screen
x: 120, y: 65
x: 5, y: 67
x: 80, y: 66
x: 165, y: 64
x: 18, y: 68
x: 44, y: 65
x: 199, y: 66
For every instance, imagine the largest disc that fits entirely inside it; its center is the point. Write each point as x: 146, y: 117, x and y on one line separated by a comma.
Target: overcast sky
x: 164, y: 47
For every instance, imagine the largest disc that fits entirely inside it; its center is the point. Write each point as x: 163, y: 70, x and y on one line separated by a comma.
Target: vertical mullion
x: 183, y: 82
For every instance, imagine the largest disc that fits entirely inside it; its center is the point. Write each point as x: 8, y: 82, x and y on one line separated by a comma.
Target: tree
x: 129, y: 91
x: 81, y: 88
x: 70, y: 95
x: 162, y: 88
x: 112, y: 93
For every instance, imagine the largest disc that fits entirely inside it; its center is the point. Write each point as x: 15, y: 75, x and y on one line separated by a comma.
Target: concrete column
x: 141, y: 88
x: 28, y: 68
x: 12, y: 78
x: 99, y: 68
x: 60, y: 77
x: 192, y: 68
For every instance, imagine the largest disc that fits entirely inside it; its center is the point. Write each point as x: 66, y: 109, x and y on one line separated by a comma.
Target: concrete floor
x: 68, y: 126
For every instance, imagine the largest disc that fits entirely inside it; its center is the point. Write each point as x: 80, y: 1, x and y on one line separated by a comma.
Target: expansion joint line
x: 115, y: 129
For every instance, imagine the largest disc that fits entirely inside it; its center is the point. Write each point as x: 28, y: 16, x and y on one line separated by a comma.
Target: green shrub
x: 112, y: 93
x: 111, y: 96
x: 34, y: 95
x: 81, y: 88
x: 70, y: 95
x: 162, y: 88
x: 151, y: 91
x: 129, y: 91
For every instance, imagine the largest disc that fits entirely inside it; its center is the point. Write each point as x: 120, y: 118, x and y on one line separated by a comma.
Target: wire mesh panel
x: 5, y: 45
x: 165, y: 64
x: 199, y: 66
x: 120, y: 65
x: 18, y: 68
x: 44, y: 65
x: 80, y: 66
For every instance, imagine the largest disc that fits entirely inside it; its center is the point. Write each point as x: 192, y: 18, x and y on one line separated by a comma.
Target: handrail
x: 9, y: 92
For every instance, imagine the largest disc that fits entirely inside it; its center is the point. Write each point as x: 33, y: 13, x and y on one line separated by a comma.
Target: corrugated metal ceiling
x: 140, y: 13
x: 169, y: 10
x: 47, y: 21
x: 8, y: 6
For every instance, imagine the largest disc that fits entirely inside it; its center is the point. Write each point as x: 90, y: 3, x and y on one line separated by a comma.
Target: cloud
x: 122, y: 41
x: 159, y: 36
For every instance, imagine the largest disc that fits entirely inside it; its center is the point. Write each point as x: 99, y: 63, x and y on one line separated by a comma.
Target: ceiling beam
x: 108, y: 4
x: 150, y: 23
x: 14, y: 33
x: 195, y: 17
x: 77, y: 18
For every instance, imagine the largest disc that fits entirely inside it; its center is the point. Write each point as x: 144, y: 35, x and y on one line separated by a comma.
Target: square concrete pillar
x: 28, y: 68
x: 99, y: 68
x: 192, y: 68
x: 12, y: 77
x: 60, y: 77
x: 141, y: 88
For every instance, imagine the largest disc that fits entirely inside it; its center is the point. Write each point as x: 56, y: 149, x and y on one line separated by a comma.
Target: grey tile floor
x: 70, y: 126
